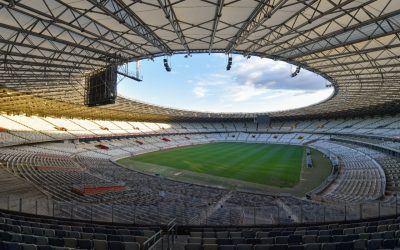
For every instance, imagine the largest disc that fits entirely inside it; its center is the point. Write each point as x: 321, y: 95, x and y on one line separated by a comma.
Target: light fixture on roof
x: 296, y: 72
x: 228, y: 67
x: 166, y: 65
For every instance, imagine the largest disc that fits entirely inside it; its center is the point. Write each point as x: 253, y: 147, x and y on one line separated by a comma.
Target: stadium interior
x: 64, y: 128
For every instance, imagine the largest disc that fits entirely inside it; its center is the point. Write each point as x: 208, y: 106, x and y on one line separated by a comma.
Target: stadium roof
x: 48, y: 45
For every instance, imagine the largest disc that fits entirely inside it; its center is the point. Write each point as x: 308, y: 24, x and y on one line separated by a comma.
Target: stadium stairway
x: 12, y: 185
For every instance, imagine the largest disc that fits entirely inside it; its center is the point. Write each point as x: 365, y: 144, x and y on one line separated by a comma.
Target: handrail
x: 171, y: 232
x: 151, y: 242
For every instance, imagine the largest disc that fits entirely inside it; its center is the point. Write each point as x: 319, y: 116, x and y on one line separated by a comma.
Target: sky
x: 202, y: 83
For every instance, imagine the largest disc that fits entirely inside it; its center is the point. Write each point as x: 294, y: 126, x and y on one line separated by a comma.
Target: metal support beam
x: 264, y: 10
x: 118, y: 10
x: 217, y: 16
x: 166, y: 6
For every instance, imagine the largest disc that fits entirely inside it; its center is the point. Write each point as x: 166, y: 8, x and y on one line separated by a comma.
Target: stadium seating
x: 22, y: 129
x: 375, y: 234
x: 21, y: 231
x: 56, y: 167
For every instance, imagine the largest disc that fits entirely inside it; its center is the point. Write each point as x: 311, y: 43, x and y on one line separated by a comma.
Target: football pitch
x: 266, y: 164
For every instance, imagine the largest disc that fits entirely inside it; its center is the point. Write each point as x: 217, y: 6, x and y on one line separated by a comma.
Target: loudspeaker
x: 101, y: 87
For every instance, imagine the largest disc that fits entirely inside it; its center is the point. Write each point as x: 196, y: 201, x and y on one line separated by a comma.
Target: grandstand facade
x: 60, y: 184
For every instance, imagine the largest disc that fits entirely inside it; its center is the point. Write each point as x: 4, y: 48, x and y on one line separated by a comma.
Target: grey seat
x: 309, y: 239
x: 244, y: 247
x: 100, y: 244
x: 209, y: 240
x: 70, y: 242
x: 196, y: 234
x: 140, y: 239
x: 329, y: 246
x: 381, y: 228
x: 193, y: 246
x: 312, y: 246
x: 375, y: 236
x: 364, y: 236
x: 235, y: 234
x: 128, y: 238
x: 49, y: 233
x: 222, y: 234
x: 324, y: 232
x: 262, y: 247
x: 210, y: 247
x: 374, y: 244
x: 99, y: 236
x: 268, y: 240
x: 28, y: 246
x: 131, y: 246
x: 194, y: 240
x: 84, y: 244
x: 359, y: 230
x: 208, y: 234
x: 262, y: 234
x: 238, y: 240
x: 16, y: 237
x: 348, y: 231
x: 41, y: 240
x: 227, y: 247
x: 87, y: 236
x: 281, y: 239
x: 360, y: 244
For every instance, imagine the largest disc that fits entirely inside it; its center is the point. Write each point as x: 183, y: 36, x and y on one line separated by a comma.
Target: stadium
x: 83, y: 167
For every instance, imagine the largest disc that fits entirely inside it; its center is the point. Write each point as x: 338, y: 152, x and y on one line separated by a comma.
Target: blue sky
x: 201, y: 83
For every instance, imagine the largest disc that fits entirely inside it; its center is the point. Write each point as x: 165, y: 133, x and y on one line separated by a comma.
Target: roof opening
x: 201, y: 82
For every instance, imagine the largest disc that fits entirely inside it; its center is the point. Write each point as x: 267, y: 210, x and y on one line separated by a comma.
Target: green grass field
x: 273, y: 165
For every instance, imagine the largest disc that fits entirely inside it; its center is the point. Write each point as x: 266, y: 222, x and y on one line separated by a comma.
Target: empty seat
x: 309, y: 239
x: 194, y: 240
x: 116, y: 245
x: 312, y: 246
x: 193, y: 246
x: 84, y: 244
x: 360, y: 244
x: 329, y: 246
x: 100, y: 244
x: 244, y: 247
x: 227, y: 247
x: 208, y: 241
x: 262, y: 247
x: 70, y: 242
x: 221, y: 234
x: 294, y: 239
x: 131, y: 246
x: 56, y: 242
x: 209, y: 247
x: 374, y: 244
x: 295, y: 247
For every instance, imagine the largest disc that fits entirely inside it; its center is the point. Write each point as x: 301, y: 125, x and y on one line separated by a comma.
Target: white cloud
x: 260, y: 80
x: 200, y: 91
x: 266, y: 73
x: 242, y: 93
